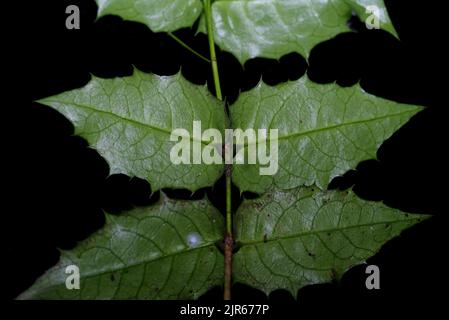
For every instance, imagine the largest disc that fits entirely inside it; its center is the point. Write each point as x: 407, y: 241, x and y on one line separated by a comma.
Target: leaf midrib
x: 128, y: 266
x: 333, y: 127
x: 135, y: 122
x: 313, y: 232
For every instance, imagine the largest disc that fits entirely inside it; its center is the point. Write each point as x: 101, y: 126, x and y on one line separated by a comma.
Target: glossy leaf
x: 304, y: 236
x: 324, y: 130
x: 273, y: 28
x: 129, y: 122
x: 159, y: 15
x: 166, y: 251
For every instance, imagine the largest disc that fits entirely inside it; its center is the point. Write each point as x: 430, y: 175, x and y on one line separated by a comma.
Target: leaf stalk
x: 185, y: 45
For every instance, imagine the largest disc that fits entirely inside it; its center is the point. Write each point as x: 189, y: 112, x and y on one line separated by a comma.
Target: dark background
x: 62, y: 187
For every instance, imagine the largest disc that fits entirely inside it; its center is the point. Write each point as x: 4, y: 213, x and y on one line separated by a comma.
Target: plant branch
x: 228, y: 239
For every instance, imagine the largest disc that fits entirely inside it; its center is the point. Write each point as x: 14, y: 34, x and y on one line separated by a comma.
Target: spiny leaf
x: 129, y: 121
x: 159, y: 15
x: 273, y: 28
x: 166, y: 251
x: 324, y: 130
x: 304, y: 236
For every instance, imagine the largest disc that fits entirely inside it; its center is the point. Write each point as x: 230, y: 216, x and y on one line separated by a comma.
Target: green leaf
x: 129, y: 121
x: 290, y: 239
x: 159, y: 15
x: 324, y: 130
x: 273, y: 28
x: 166, y: 251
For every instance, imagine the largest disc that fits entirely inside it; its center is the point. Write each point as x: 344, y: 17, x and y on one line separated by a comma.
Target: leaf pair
x: 324, y: 130
x: 253, y: 28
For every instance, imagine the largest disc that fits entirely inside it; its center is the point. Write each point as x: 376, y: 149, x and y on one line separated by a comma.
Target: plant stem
x: 228, y: 239
x: 228, y: 173
x: 213, y: 56
x: 185, y: 45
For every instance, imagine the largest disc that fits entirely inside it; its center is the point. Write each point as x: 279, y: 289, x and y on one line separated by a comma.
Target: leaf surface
x: 159, y: 15
x: 166, y: 251
x: 273, y: 28
x: 304, y: 236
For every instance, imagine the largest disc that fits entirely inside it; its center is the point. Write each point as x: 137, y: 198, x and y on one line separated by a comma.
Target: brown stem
x: 228, y: 245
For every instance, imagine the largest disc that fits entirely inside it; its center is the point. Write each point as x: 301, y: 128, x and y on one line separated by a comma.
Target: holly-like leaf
x: 129, y: 122
x: 159, y: 15
x: 273, y: 28
x: 166, y: 251
x: 324, y: 130
x: 304, y: 236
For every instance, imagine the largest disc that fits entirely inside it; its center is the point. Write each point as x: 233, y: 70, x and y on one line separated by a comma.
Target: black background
x: 62, y: 186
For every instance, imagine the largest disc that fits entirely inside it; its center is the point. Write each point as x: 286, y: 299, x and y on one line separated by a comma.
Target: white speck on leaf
x: 193, y: 239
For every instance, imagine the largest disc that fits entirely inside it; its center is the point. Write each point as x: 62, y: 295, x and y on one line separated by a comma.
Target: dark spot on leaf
x: 311, y: 254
